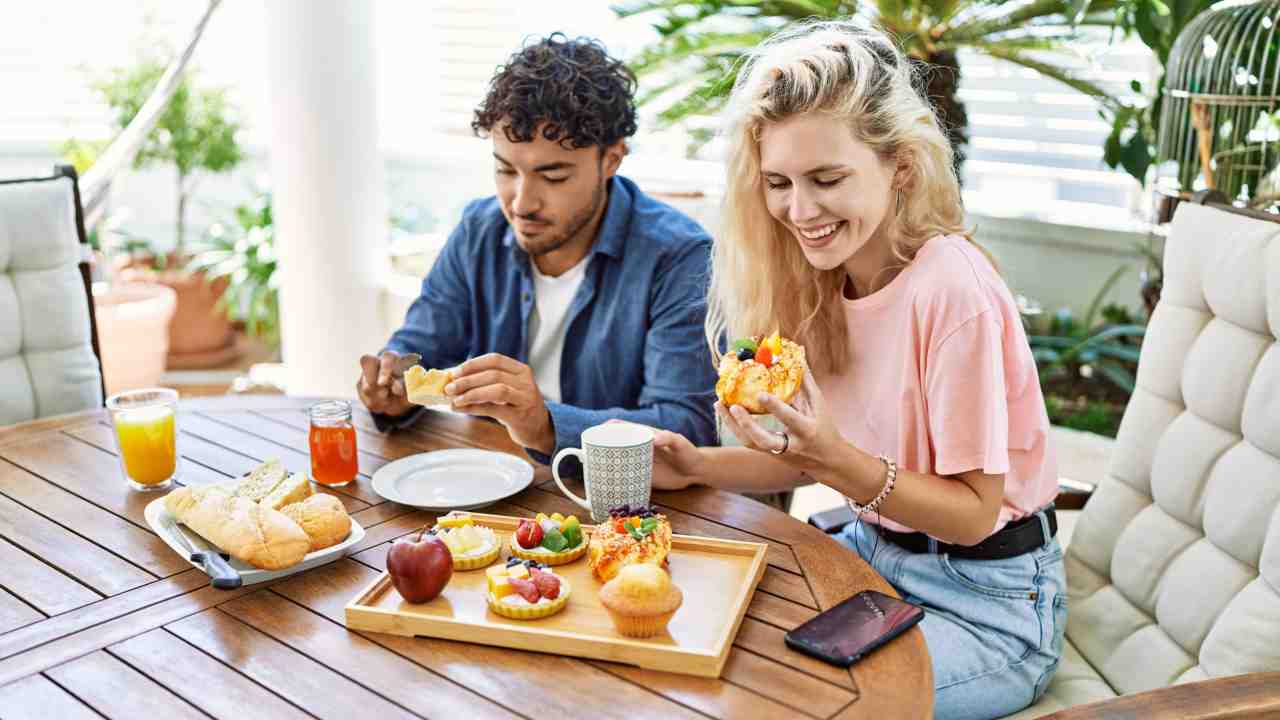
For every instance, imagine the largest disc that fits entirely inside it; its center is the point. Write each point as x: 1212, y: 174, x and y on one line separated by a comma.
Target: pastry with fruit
x: 757, y: 365
x: 641, y: 600
x: 632, y: 536
x: 473, y: 546
x: 549, y: 539
x: 419, y: 566
x: 526, y: 590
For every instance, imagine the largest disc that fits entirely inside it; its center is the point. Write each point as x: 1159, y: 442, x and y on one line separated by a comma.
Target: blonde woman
x: 843, y: 227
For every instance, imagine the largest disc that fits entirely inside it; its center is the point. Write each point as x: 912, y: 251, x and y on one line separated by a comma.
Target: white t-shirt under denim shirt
x: 549, y: 322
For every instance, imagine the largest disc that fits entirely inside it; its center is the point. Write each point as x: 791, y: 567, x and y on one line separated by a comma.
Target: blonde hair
x: 761, y: 281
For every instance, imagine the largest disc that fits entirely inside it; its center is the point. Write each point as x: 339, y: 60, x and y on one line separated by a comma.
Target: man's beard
x: 542, y: 246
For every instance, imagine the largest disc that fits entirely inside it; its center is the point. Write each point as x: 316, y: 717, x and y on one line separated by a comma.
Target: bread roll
x: 322, y: 518
x: 258, y: 535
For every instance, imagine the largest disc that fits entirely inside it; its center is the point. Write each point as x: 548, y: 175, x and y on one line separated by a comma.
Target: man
x: 571, y: 297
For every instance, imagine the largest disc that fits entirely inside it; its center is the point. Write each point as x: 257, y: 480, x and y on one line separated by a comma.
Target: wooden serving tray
x: 718, y: 578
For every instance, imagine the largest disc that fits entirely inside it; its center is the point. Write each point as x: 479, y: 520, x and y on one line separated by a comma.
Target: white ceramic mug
x: 617, y: 461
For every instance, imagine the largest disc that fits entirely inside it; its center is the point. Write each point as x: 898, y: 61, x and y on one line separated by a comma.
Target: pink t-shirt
x: 941, y: 378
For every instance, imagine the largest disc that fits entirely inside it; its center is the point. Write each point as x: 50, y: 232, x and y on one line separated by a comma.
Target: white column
x: 327, y: 180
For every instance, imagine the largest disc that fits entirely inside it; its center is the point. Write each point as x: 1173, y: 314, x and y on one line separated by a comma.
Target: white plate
x: 452, y: 479
x: 156, y: 515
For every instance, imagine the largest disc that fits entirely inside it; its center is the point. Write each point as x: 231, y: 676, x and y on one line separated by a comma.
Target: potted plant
x: 1087, y: 366
x: 196, y: 134
x: 241, y: 256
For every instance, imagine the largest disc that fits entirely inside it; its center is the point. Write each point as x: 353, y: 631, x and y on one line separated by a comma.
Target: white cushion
x: 47, y: 365
x: 1173, y: 571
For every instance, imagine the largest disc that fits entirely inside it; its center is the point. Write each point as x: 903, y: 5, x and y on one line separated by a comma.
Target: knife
x: 220, y: 572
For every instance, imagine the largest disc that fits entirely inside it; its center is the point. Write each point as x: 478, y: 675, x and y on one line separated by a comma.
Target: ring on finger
x: 786, y: 443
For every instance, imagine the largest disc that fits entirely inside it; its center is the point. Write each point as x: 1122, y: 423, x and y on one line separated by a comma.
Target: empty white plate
x: 460, y: 479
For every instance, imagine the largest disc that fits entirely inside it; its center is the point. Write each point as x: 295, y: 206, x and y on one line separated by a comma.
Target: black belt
x: 1012, y: 540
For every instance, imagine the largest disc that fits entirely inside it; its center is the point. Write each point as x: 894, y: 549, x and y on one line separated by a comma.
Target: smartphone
x: 854, y: 628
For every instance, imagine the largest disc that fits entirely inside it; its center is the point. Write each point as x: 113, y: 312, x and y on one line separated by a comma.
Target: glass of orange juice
x: 146, y: 430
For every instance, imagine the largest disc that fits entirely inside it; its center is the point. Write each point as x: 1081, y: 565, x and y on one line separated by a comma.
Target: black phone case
x: 846, y: 661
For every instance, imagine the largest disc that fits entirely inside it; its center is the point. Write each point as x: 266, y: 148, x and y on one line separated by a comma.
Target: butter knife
x: 220, y: 572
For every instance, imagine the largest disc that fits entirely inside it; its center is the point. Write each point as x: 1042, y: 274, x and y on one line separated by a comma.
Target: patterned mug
x: 618, y: 464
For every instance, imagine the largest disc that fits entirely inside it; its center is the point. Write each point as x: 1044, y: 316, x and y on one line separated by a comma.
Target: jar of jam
x: 333, y: 444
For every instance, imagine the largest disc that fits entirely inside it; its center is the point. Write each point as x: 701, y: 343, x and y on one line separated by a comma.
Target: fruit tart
x: 757, y: 365
x: 549, y: 539
x: 632, y: 536
x: 473, y: 546
x: 526, y: 590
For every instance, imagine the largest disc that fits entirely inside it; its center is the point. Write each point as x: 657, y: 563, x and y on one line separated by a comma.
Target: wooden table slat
x: 297, y: 678
x: 15, y: 614
x: 29, y: 579
x: 118, y: 691
x: 56, y: 652
x: 214, y: 687
x: 89, y: 616
x: 38, y: 698
x: 53, y: 524
x: 786, y: 685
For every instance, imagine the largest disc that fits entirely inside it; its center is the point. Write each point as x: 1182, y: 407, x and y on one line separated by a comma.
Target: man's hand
x: 381, y: 384
x: 499, y: 387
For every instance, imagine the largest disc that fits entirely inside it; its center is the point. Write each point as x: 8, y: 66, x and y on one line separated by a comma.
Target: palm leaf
x: 1062, y: 75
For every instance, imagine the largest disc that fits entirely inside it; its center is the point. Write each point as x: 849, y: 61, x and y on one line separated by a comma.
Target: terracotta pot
x: 133, y: 321
x: 200, y: 335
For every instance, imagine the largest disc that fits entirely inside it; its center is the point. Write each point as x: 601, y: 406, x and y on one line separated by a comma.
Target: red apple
x: 420, y: 567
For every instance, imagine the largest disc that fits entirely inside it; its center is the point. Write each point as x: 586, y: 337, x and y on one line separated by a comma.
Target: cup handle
x: 555, y: 472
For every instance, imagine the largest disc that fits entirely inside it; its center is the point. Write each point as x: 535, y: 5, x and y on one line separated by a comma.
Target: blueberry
x: 745, y: 354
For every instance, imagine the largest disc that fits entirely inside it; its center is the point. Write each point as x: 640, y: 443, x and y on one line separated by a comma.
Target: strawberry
x: 528, y: 534
x: 548, y: 585
x: 764, y: 356
x: 527, y: 589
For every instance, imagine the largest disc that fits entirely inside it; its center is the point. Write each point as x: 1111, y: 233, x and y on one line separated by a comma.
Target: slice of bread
x: 426, y: 387
x: 262, y: 480
x: 292, y: 489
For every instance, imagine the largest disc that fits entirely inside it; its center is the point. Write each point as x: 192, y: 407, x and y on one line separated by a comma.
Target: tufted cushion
x: 1174, y: 567
x: 47, y: 365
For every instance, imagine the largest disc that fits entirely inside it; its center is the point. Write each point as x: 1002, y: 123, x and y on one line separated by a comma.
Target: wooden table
x: 98, y: 616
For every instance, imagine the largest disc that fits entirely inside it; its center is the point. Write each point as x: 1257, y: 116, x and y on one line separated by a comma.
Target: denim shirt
x: 634, y: 348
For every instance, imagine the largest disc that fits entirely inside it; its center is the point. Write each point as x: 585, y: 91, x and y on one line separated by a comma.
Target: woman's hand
x: 677, y: 463
x: 812, y: 439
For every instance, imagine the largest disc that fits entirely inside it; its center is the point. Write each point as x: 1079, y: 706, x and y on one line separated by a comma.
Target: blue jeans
x: 994, y: 628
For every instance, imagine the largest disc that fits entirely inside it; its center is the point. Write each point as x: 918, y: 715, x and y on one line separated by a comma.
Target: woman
x: 843, y: 227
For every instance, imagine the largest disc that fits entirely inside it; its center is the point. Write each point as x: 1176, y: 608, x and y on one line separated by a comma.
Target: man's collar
x: 611, y: 236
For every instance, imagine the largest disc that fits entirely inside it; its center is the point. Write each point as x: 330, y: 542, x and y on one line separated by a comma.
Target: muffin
x: 641, y: 600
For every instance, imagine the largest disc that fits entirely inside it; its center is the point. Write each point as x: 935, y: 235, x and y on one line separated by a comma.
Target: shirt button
x: 526, y: 297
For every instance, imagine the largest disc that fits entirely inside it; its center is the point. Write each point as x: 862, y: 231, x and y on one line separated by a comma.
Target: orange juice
x: 148, y: 443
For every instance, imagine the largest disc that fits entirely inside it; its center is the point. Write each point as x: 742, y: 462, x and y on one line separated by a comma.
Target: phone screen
x: 855, y: 627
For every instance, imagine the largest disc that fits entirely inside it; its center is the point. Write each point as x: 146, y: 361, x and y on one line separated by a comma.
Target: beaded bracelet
x: 891, y: 475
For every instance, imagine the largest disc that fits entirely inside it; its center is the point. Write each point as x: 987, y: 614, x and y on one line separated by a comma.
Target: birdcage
x: 1220, y: 123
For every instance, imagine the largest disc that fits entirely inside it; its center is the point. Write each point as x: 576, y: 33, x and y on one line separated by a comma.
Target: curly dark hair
x: 584, y: 97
